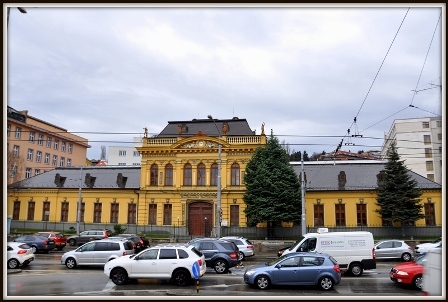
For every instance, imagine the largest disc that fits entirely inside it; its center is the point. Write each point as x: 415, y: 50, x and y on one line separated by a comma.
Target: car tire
x: 326, y: 283
x: 34, y: 249
x: 70, y: 263
x: 181, y: 277
x: 220, y: 266
x: 119, y: 276
x: 240, y: 256
x: 262, y: 282
x: 355, y: 269
x: 13, y: 263
x: 72, y: 242
x: 417, y: 282
x: 406, y: 257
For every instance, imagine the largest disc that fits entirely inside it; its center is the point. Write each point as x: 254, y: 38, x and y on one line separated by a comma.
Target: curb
x: 14, y: 271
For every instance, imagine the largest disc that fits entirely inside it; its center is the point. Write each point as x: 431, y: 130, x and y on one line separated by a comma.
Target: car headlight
x: 401, y: 273
x: 250, y: 272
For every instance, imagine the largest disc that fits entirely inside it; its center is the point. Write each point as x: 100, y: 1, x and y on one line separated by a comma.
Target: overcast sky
x: 105, y: 73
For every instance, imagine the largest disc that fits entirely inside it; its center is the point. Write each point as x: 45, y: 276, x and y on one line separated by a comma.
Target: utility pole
x: 218, y: 210
x: 79, y: 204
x: 302, y: 187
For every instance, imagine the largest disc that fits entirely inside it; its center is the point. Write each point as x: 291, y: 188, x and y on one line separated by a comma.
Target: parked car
x: 88, y: 236
x: 98, y: 252
x: 246, y: 247
x: 424, y: 247
x: 219, y: 254
x: 59, y: 240
x: 299, y: 268
x: 37, y: 243
x: 165, y: 262
x: 409, y: 273
x: 19, y: 254
x: 393, y: 249
x: 139, y: 243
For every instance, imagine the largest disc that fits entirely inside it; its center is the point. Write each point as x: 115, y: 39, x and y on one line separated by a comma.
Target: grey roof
x: 236, y: 126
x: 101, y: 176
x: 321, y: 176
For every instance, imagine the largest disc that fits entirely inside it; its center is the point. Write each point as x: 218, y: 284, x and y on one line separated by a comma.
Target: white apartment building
x: 419, y: 144
x: 125, y: 155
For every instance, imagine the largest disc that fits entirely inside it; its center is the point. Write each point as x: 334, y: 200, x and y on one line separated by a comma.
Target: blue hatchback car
x: 300, y: 268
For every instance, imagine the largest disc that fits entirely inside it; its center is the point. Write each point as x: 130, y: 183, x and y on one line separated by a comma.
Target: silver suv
x: 247, y: 249
x: 97, y: 252
x: 88, y: 236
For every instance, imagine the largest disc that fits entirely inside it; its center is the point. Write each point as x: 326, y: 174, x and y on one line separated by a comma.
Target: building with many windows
x: 124, y: 155
x: 419, y: 144
x: 36, y: 146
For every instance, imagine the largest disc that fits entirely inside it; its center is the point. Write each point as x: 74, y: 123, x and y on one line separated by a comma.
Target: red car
x: 409, y: 273
x: 59, y: 240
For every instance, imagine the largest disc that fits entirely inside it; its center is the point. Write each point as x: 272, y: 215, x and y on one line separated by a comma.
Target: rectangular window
x: 234, y: 215
x: 55, y: 160
x: 136, y: 154
x: 18, y: 133
x: 47, y: 158
x: 427, y: 139
x: 46, y: 211
x: 69, y: 162
x: 122, y: 164
x: 430, y: 218
x: 430, y: 176
x: 56, y: 144
x: 40, y: 139
x: 36, y: 172
x: 121, y: 152
x: 428, y: 152
x: 114, y: 212
x: 70, y: 148
x: 152, y: 215
x: 440, y: 150
x: 28, y: 172
x: 31, y: 208
x: 38, y: 156
x: 32, y: 135
x: 48, y: 142
x: 340, y: 214
x: 425, y: 124
x: 97, y: 209
x: 62, y: 162
x: 63, y: 146
x: 167, y: 214
x: 132, y: 213
x: 439, y: 136
x: 439, y: 123
x: 318, y: 215
x: 15, y: 151
x: 30, y: 155
x: 429, y: 165
x: 8, y: 130
x: 16, y: 210
x: 64, y: 212
x: 361, y: 214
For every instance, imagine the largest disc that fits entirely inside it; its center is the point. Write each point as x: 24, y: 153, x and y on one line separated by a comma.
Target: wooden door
x: 200, y: 218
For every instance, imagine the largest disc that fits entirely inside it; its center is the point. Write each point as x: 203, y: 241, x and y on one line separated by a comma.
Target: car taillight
x: 200, y: 262
x: 45, y: 242
x: 373, y: 254
x: 233, y: 256
x: 22, y: 252
x: 425, y: 293
x: 141, y: 242
x: 125, y: 253
x: 337, y: 268
x: 250, y: 246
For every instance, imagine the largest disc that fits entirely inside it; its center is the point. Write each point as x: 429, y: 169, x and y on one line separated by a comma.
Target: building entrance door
x: 200, y: 218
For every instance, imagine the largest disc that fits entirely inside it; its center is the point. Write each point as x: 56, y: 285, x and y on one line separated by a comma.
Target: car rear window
x: 196, y: 251
x: 333, y: 260
x: 230, y: 246
x: 59, y: 235
x: 128, y: 245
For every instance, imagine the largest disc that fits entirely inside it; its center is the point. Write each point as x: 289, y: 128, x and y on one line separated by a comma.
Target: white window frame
x: 56, y: 144
x: 48, y: 142
x: 40, y: 139
x: 55, y: 160
x: 62, y: 161
x: 47, y: 158
x: 16, y: 151
x: 18, y: 133
x: 32, y: 135
x: 63, y: 145
x: 28, y: 172
x: 70, y: 148
x: 38, y: 156
x: 30, y: 155
x: 69, y: 162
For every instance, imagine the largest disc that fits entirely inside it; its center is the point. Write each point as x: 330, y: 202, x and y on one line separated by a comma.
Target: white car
x: 180, y: 264
x: 425, y: 247
x: 19, y: 254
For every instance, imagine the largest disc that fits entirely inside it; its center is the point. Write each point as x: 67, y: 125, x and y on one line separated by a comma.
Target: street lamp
x: 218, y: 227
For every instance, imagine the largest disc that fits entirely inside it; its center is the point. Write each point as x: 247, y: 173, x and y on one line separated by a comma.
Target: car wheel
x: 240, y: 256
x: 181, y: 278
x: 220, y: 266
x: 262, y: 282
x: 72, y: 242
x: 406, y: 257
x: 70, y: 263
x: 13, y: 263
x: 326, y: 283
x: 418, y: 281
x: 119, y: 276
x: 34, y: 249
x: 356, y: 269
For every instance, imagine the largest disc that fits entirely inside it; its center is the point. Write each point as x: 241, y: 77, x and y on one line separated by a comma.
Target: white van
x: 354, y: 251
x: 432, y: 273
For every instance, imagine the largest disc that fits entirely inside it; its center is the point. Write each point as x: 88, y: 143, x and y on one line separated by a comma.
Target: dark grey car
x: 219, y: 254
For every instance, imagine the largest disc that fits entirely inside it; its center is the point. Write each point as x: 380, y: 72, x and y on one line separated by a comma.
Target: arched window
x: 235, y: 174
x: 169, y: 175
x: 187, y: 175
x: 154, y: 175
x: 214, y: 175
x: 201, y: 175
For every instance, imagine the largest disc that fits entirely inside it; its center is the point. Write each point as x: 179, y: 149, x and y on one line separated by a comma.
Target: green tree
x: 272, y: 186
x: 398, y: 194
x: 118, y: 229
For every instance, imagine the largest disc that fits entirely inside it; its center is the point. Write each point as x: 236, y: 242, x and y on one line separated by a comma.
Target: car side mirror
x: 278, y: 266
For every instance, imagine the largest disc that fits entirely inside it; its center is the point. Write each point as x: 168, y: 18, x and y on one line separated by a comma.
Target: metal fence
x: 273, y: 233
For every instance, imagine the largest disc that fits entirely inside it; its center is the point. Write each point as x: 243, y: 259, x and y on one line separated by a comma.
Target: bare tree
x: 15, y: 167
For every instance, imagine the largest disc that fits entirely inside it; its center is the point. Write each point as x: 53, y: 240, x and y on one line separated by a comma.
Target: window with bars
x: 187, y: 174
x: 361, y: 214
x: 167, y: 214
x: 114, y: 212
x: 132, y: 213
x: 152, y: 215
x: 169, y: 175
x: 64, y: 212
x: 154, y: 175
x: 201, y: 175
x: 319, y: 215
x: 31, y: 209
x: 340, y: 214
x: 97, y: 211
x: 235, y: 174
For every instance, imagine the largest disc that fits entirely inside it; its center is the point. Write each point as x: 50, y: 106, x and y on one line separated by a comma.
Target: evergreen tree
x: 398, y: 194
x: 272, y: 186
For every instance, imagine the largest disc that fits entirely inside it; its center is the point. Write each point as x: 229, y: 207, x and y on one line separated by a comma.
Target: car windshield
x: 296, y: 243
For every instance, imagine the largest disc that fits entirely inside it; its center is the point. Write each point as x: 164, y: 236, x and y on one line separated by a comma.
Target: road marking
x: 109, y: 286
